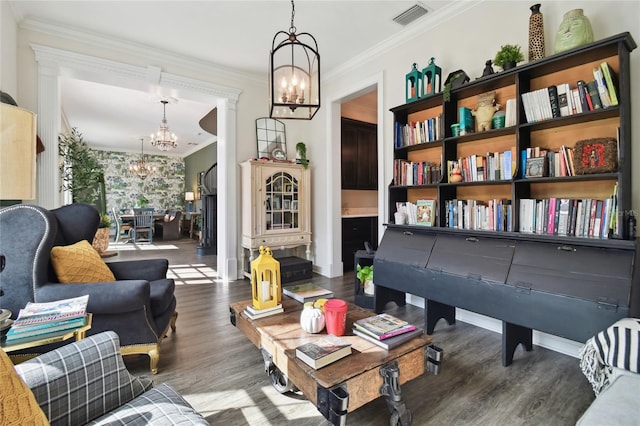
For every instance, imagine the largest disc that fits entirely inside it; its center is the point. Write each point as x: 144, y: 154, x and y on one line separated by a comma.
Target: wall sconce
x: 412, y: 84
x: 431, y: 74
x: 266, y: 290
x: 189, y: 196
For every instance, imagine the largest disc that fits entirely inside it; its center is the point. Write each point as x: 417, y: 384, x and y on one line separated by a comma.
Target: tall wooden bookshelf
x: 575, y: 286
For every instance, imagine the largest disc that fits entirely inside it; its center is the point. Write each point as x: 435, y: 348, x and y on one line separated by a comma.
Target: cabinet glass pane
x: 281, y: 202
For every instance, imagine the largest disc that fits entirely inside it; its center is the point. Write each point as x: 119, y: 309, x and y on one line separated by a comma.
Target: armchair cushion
x: 17, y: 403
x: 79, y: 263
x: 80, y: 382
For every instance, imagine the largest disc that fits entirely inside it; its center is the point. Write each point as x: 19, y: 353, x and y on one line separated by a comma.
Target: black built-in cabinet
x: 359, y: 155
x: 566, y: 286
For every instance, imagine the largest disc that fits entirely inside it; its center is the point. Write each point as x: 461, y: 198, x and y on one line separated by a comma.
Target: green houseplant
x: 83, y: 175
x: 508, y: 56
x: 301, y: 150
x: 365, y: 276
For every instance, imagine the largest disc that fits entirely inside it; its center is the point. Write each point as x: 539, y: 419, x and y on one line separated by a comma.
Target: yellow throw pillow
x: 80, y: 263
x: 18, y: 406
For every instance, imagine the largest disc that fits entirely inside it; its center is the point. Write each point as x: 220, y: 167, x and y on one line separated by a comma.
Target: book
x: 398, y: 331
x: 324, y: 351
x: 564, y: 99
x: 253, y: 313
x: 391, y: 342
x: 426, y: 212
x: 381, y: 323
x: 592, y: 88
x: 42, y: 329
x: 584, y: 96
x: 37, y: 313
x: 306, y: 292
x: 602, y: 87
x: 554, y: 101
x: 609, y: 78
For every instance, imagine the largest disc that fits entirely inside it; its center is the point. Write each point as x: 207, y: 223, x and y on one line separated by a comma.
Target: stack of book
x: 254, y: 313
x: 323, y: 351
x: 385, y: 330
x: 39, y: 319
x: 307, y: 292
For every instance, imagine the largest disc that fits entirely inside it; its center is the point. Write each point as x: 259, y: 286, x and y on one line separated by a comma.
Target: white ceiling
x: 233, y: 34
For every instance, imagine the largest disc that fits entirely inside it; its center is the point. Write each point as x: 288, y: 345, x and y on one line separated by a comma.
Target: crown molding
x: 140, y: 50
x: 78, y: 62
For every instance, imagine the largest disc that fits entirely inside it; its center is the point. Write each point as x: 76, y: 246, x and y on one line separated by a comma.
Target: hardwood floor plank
x: 221, y: 373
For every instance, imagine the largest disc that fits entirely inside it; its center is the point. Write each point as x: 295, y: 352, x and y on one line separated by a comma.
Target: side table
x: 368, y: 301
x: 77, y: 333
x: 362, y: 258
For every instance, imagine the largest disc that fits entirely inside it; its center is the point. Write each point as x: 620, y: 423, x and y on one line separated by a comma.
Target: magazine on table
x: 36, y: 313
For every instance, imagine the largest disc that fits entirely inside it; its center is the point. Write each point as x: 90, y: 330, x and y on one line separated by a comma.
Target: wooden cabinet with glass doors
x: 275, y: 208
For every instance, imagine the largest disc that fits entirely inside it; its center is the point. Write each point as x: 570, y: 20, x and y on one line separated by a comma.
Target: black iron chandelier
x: 141, y: 168
x: 294, y: 77
x: 164, y: 139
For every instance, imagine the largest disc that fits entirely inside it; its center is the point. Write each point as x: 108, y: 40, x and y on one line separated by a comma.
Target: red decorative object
x: 599, y: 155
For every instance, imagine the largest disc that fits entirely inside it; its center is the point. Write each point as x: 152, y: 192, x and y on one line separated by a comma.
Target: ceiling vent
x: 411, y: 14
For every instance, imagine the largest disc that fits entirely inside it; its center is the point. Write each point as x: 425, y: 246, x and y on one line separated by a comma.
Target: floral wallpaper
x: 164, y: 189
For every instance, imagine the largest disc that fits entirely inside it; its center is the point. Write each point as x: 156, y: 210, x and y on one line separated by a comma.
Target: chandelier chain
x: 292, y: 29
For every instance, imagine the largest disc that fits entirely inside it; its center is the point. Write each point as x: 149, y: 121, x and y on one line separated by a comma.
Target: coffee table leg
x: 400, y: 414
x: 279, y: 380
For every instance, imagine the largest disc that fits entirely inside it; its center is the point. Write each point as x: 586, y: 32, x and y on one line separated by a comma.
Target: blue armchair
x: 139, y: 306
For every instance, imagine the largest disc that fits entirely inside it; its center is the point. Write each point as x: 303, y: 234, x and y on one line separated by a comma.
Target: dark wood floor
x: 221, y: 373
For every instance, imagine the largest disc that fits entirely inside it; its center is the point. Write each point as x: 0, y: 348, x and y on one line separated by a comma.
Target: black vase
x: 508, y: 65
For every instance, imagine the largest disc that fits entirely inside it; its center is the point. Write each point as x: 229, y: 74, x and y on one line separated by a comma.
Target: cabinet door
x: 355, y: 231
x: 367, y: 157
x: 282, y: 200
x: 359, y: 155
x: 349, y: 160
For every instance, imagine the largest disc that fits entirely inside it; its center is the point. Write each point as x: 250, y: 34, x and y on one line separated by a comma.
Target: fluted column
x: 228, y: 199
x: 49, y: 113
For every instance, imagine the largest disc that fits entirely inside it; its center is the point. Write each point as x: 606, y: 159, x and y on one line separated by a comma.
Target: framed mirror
x: 272, y: 143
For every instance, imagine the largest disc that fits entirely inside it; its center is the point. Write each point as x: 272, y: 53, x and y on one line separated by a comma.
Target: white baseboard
x: 549, y: 341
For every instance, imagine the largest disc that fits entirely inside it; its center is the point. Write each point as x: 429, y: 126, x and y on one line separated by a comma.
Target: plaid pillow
x: 160, y: 406
x: 81, y: 381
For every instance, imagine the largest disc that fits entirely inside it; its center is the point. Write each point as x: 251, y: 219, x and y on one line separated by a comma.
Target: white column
x: 49, y: 113
x: 228, y: 196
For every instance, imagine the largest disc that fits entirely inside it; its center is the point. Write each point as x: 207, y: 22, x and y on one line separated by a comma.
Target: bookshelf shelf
x: 481, y: 254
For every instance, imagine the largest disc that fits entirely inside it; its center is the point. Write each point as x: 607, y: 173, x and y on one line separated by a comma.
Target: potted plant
x: 365, y: 276
x: 301, y: 154
x: 508, y: 56
x: 83, y: 175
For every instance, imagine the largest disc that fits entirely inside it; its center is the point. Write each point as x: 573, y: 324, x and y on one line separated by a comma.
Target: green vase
x: 575, y: 30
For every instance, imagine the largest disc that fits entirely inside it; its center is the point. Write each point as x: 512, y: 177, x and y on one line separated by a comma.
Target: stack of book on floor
x: 307, y: 292
x: 254, y: 313
x: 39, y: 319
x: 385, y: 330
x: 323, y: 351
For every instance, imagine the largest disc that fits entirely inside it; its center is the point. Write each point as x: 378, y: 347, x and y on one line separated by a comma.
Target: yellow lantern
x: 266, y: 290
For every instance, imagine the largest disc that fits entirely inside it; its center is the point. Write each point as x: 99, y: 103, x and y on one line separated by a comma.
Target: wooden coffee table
x: 347, y: 384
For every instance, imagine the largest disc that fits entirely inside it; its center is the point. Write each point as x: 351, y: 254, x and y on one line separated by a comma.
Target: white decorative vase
x: 369, y: 287
x: 312, y: 319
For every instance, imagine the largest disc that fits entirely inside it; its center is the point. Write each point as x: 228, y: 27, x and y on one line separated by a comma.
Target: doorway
x: 359, y: 175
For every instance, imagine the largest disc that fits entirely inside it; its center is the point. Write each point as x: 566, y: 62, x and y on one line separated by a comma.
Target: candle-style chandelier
x: 294, y: 77
x: 141, y: 168
x: 164, y: 139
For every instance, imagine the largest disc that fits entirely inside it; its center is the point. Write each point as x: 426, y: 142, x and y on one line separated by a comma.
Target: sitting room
x: 521, y: 281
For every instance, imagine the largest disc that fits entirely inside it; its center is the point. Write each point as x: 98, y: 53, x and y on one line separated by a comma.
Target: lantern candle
x: 265, y: 291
